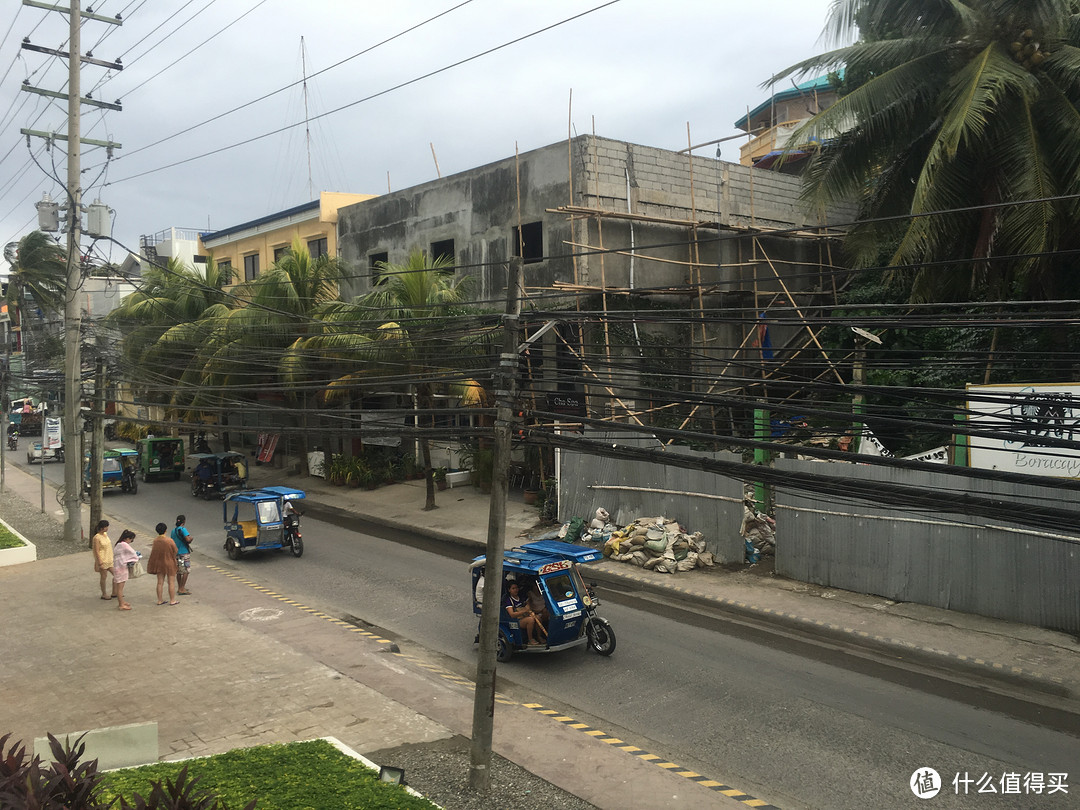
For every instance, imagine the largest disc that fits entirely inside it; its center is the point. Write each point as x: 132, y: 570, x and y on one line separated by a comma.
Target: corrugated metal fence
x: 700, y: 501
x: 947, y: 560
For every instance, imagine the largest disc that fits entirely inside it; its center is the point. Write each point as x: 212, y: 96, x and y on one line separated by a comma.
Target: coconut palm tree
x: 243, y: 347
x: 961, y: 106
x: 398, y: 333
x: 39, y: 269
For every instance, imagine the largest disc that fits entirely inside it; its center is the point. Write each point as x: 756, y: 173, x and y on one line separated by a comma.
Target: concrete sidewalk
x: 258, y: 667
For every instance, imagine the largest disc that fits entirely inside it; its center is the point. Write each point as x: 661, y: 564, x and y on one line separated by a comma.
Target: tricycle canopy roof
x: 119, y: 453
x: 208, y: 456
x: 534, y: 557
x: 267, y: 493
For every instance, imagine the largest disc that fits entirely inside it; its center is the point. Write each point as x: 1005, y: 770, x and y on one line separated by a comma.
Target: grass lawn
x: 296, y: 776
x: 7, y: 539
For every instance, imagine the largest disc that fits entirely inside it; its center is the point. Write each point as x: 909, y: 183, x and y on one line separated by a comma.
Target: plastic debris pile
x: 758, y: 531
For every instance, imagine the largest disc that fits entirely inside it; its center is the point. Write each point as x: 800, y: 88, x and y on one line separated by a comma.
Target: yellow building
x: 251, y: 247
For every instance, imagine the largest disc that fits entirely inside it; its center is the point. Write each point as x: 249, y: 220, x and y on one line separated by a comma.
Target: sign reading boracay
x: 1034, y: 417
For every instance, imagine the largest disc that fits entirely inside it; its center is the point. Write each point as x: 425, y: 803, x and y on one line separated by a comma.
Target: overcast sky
x: 639, y: 70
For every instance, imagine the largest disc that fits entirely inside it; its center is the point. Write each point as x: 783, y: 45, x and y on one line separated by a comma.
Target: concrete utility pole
x: 72, y: 313
x: 97, y: 443
x: 505, y: 393
x: 72, y: 325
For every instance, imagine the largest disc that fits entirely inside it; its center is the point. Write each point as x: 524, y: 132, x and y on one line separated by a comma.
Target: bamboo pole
x: 806, y: 323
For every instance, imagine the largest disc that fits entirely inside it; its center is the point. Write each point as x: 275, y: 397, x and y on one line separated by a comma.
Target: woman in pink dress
x: 122, y: 555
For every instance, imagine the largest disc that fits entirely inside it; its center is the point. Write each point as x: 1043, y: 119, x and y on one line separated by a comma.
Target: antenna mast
x: 307, y: 127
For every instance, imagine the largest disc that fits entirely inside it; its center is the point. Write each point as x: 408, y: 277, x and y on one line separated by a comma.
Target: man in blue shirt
x: 182, y: 537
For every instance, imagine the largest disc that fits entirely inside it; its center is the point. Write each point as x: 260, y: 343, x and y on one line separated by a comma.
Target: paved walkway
x: 259, y: 668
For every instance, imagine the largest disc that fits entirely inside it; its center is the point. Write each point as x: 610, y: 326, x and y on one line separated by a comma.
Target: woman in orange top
x: 103, y: 555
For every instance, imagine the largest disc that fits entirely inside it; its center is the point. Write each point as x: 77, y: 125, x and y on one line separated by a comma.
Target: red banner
x: 267, y: 445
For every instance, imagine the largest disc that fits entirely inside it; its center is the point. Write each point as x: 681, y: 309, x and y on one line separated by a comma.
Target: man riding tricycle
x: 216, y: 474
x: 545, y: 605
x: 119, y: 470
x: 262, y: 519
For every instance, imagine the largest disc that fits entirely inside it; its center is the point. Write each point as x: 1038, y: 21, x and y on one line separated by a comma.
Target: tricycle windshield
x: 268, y: 512
x: 110, y: 465
x: 561, y: 592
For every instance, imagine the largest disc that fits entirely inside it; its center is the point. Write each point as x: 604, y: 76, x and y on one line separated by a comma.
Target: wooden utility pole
x: 505, y: 394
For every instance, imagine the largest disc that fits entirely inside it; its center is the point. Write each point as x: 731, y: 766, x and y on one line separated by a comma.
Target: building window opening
x: 280, y: 253
x: 528, y: 242
x: 443, y: 250
x: 251, y: 267
x: 318, y: 247
x: 375, y: 263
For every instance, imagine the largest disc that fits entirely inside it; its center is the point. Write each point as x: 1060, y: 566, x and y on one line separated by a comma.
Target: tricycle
x: 36, y: 453
x: 160, y: 457
x: 567, y: 606
x: 261, y: 520
x: 217, y: 474
x: 118, y: 471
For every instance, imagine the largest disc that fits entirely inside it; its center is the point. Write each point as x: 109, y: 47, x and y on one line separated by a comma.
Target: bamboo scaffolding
x: 806, y: 324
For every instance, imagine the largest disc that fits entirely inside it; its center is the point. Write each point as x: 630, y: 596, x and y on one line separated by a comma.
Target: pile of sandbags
x: 657, y: 544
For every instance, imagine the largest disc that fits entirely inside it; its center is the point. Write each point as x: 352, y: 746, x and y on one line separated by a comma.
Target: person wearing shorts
x: 182, y: 537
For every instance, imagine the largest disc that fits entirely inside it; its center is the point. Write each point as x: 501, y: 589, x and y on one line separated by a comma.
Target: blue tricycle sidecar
x: 259, y: 521
x: 568, y: 618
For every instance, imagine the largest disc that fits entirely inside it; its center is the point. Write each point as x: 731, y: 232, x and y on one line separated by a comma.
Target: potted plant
x: 439, y: 474
x: 356, y: 472
x: 337, y: 470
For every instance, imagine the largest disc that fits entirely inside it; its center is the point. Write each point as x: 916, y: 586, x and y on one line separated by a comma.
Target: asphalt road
x: 797, y: 723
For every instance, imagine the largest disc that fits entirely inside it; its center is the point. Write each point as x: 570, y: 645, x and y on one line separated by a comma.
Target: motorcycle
x: 13, y: 441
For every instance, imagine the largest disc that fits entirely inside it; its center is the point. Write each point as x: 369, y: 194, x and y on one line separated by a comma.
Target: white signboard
x: 1033, y: 414
x: 52, y: 433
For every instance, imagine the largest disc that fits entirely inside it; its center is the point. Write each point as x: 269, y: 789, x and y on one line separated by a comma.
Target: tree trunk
x: 427, y: 403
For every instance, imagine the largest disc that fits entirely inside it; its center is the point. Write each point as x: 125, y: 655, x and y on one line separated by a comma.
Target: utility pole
x: 97, y: 442
x: 5, y: 374
x: 505, y: 393
x: 72, y: 320
x: 72, y: 312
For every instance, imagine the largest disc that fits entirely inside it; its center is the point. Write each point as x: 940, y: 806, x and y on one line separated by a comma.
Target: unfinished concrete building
x: 662, y: 267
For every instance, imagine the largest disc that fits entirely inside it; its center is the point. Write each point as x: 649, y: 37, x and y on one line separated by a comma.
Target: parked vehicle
x: 118, y: 471
x: 255, y: 521
x: 553, y: 567
x: 35, y: 453
x: 160, y: 458
x: 217, y: 474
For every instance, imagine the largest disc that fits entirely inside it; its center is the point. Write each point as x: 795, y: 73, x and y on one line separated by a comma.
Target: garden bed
x: 292, y: 776
x: 14, y: 548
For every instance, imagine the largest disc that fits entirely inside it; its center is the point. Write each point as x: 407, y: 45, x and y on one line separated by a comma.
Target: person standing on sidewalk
x: 182, y: 537
x: 162, y: 562
x: 103, y: 556
x: 122, y: 555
